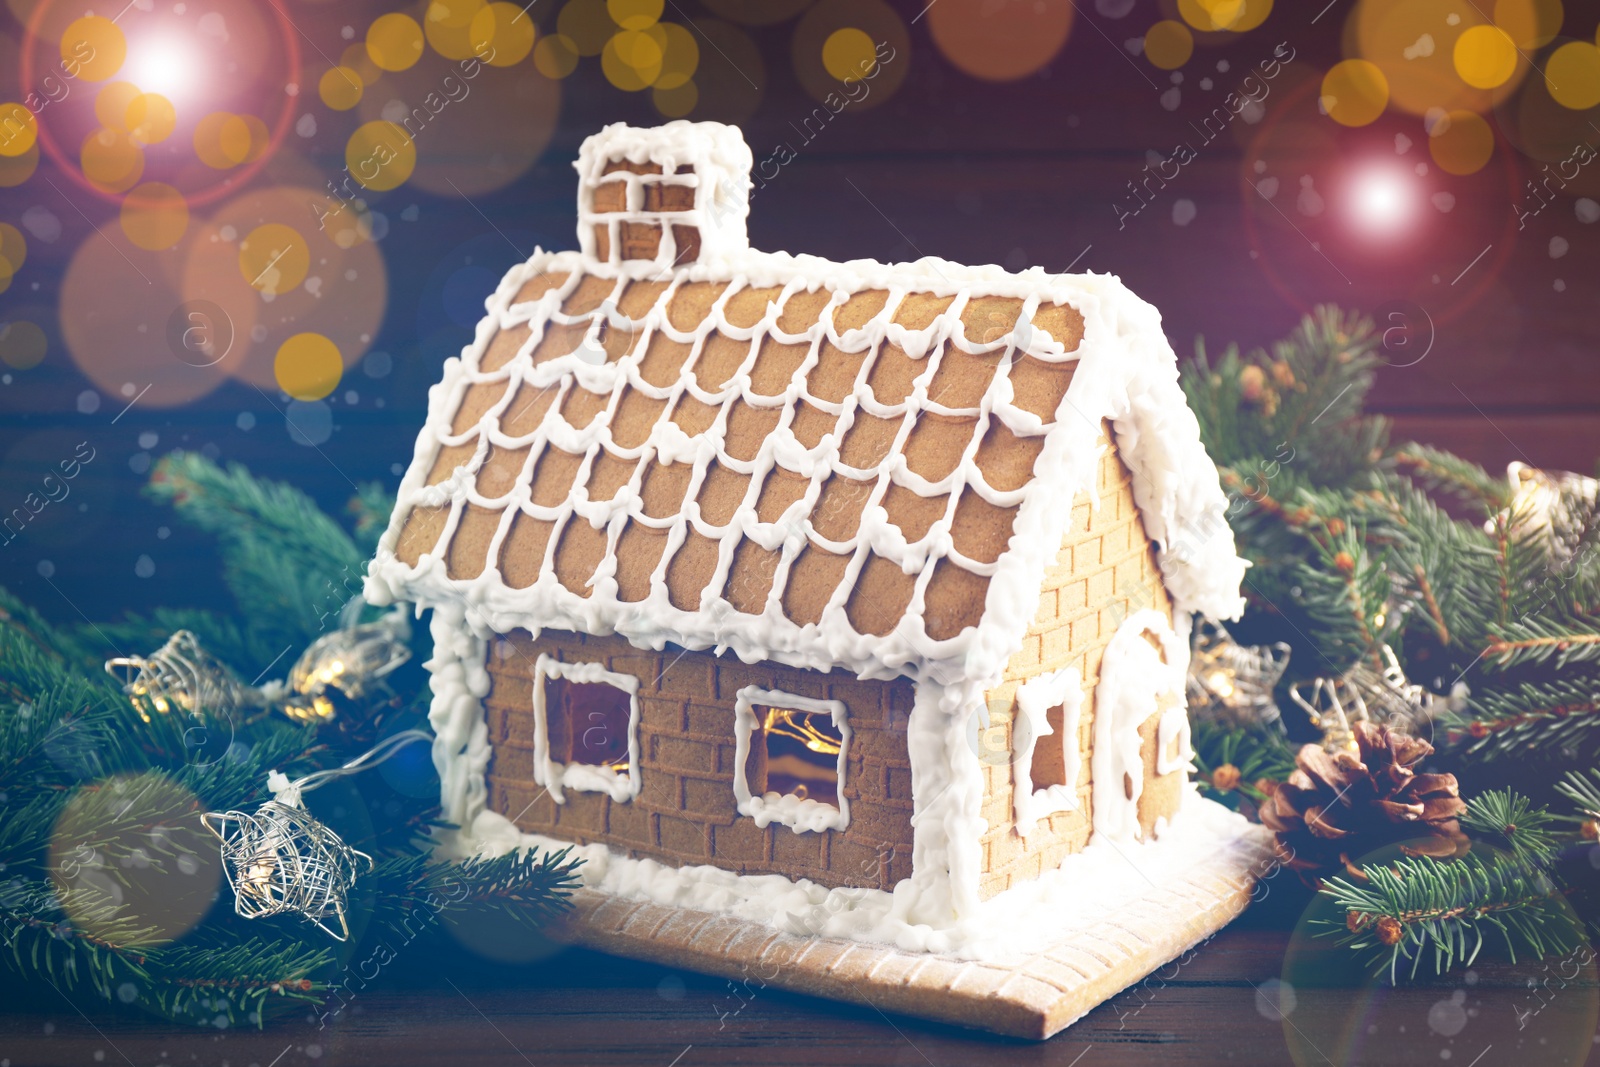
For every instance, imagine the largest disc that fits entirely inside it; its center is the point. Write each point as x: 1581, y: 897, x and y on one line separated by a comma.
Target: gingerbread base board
x: 1074, y: 972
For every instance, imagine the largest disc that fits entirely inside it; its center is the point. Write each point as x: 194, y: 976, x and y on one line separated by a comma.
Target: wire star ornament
x: 282, y: 860
x: 180, y: 676
x: 1231, y: 682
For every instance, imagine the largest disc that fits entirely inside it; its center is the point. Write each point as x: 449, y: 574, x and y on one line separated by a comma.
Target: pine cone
x: 1336, y: 808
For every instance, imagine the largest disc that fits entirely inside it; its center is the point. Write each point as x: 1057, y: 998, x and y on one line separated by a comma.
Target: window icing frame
x: 583, y: 777
x: 802, y: 815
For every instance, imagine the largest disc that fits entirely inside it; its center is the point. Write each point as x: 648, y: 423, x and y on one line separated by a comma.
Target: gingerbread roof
x: 819, y: 463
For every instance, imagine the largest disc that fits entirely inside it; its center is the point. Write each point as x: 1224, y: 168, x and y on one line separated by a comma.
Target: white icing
x: 1126, y: 372
x: 1035, y: 697
x: 558, y: 777
x: 459, y: 676
x: 1135, y: 680
x: 798, y: 814
x: 1088, y: 890
x: 1173, y: 751
x: 720, y: 178
x: 1122, y: 359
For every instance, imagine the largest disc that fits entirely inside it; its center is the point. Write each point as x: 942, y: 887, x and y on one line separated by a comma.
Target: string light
x: 799, y: 726
x: 281, y: 860
x: 181, y: 676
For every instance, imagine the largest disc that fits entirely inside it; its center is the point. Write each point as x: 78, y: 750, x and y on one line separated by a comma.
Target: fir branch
x: 525, y: 886
x: 1234, y: 763
x: 212, y: 980
x: 1539, y: 644
x: 1532, y: 716
x: 1510, y: 821
x: 1443, y: 472
x: 1447, y: 910
x: 291, y: 569
x: 1583, y: 789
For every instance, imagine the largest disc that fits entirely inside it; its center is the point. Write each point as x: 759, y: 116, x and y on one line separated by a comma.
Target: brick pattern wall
x: 685, y: 812
x: 1106, y: 570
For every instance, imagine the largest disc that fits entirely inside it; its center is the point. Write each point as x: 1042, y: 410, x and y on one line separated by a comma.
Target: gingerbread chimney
x: 663, y: 197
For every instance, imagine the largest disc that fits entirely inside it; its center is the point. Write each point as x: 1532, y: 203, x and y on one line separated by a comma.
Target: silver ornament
x: 181, y: 676
x: 282, y: 860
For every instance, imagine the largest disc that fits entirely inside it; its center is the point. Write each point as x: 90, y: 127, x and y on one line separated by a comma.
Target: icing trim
x: 1173, y: 731
x: 1088, y: 890
x: 802, y: 815
x: 1125, y: 372
x: 1035, y: 697
x: 559, y: 777
x: 1134, y: 683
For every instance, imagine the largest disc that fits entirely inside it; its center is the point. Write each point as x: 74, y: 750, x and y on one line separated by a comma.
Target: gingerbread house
x: 756, y: 575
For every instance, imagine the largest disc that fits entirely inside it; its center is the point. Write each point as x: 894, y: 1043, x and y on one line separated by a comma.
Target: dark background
x: 1020, y: 173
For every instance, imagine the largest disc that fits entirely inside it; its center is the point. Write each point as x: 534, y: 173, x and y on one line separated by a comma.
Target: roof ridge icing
x: 853, y: 465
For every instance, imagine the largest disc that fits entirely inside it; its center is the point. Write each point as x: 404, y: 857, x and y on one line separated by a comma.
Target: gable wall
x: 1106, y: 570
x: 686, y: 812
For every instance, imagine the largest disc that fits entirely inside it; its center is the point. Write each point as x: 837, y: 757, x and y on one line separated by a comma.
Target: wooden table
x: 1229, y: 1004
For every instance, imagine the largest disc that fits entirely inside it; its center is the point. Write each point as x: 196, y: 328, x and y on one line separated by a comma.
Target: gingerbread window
x: 1045, y: 756
x: 790, y: 760
x: 586, y: 729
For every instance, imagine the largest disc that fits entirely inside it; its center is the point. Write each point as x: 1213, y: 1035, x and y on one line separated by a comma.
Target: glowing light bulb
x: 1383, y: 201
x: 166, y: 63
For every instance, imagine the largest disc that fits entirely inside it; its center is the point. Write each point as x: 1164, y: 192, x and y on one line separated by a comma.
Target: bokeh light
x: 13, y: 252
x: 355, y: 57
x: 1572, y: 75
x: 22, y: 344
x: 1354, y: 92
x: 677, y: 102
x: 1000, y: 41
x: 1461, y: 142
x: 111, y: 104
x: 1224, y: 16
x: 1413, y: 43
x: 111, y: 822
x: 850, y: 24
x: 341, y: 292
x: 1538, y: 126
x: 150, y: 118
x: 587, y: 24
x: 394, y: 41
x: 1531, y: 23
x: 381, y: 155
x: 116, y: 309
x: 680, y: 58
x: 555, y: 56
x: 340, y: 88
x: 223, y: 140
x: 14, y: 170
x: 635, y: 14
x: 502, y: 31
x: 632, y: 59
x: 274, y: 258
x: 111, y: 160
x: 465, y: 148
x: 1168, y: 44
x: 19, y: 130
x: 848, y: 53
x: 448, y: 26
x: 93, y: 48
x: 1485, y: 57
x: 308, y: 366
x: 155, y: 216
